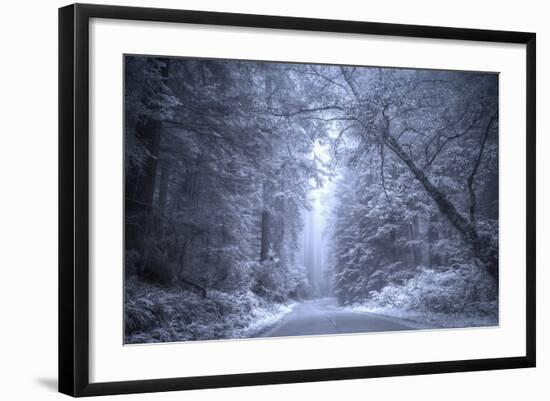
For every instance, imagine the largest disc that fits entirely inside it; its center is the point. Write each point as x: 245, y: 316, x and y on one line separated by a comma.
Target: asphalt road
x: 324, y: 316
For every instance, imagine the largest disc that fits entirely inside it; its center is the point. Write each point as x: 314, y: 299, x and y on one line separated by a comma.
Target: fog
x: 314, y: 250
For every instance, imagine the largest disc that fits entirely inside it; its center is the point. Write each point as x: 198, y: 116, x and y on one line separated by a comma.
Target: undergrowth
x: 153, y: 313
x: 456, y: 296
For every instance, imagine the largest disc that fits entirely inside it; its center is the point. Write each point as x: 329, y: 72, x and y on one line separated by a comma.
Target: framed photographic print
x: 250, y: 199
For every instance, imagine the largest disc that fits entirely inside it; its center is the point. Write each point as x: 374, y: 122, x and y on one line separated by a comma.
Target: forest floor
x: 158, y: 314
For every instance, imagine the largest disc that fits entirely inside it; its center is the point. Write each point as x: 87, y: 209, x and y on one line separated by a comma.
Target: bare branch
x: 350, y: 83
x: 330, y: 80
x: 311, y: 110
x: 471, y: 177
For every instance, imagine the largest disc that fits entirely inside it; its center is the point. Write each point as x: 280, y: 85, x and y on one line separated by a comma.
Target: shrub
x: 154, y: 313
x: 461, y: 288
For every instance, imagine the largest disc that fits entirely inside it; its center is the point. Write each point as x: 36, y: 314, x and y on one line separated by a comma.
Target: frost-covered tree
x: 226, y: 178
x: 220, y: 162
x: 421, y: 173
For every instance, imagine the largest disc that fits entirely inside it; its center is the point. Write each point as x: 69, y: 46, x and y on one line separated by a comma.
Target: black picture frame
x: 74, y: 198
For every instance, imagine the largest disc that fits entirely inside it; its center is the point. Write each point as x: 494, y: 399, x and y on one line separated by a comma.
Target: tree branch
x: 471, y: 177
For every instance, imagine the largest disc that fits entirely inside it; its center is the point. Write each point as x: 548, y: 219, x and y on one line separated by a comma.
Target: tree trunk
x: 266, y: 240
x: 393, y: 245
x: 166, y: 169
x: 482, y: 247
x: 413, y: 229
x: 434, y: 258
x: 140, y: 187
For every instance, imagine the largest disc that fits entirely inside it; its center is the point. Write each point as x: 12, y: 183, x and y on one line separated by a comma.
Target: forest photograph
x: 276, y: 199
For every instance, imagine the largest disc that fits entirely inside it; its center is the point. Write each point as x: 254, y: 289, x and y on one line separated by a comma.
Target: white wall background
x: 28, y: 204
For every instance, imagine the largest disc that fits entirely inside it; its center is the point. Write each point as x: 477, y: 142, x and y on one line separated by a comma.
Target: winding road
x: 324, y: 316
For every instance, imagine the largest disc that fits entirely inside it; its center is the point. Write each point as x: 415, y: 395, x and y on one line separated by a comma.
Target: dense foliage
x: 221, y: 158
x: 419, y: 189
x: 216, y: 178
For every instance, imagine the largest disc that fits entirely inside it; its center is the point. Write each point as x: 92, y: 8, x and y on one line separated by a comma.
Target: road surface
x: 324, y: 316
